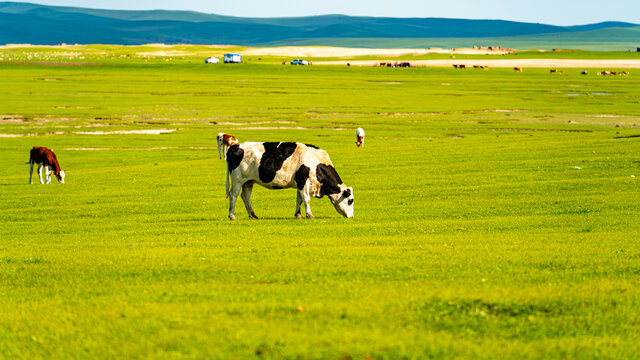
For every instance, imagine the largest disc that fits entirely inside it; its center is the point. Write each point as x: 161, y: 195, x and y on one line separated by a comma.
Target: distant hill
x: 47, y: 25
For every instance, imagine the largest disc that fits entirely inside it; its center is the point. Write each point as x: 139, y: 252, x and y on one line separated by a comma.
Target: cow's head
x: 331, y: 185
x: 343, y: 202
x: 60, y: 176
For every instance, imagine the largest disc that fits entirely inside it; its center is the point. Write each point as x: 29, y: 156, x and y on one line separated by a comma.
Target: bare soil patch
x: 228, y: 123
x: 326, y: 51
x: 289, y: 128
x: 143, y: 149
x: 116, y: 132
x: 126, y: 132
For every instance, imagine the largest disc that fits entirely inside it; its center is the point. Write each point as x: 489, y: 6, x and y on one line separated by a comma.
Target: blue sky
x: 557, y: 12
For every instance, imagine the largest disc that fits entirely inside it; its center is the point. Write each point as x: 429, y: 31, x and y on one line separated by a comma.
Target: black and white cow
x: 280, y: 165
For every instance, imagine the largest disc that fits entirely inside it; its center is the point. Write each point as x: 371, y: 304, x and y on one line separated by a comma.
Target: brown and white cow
x: 280, y: 165
x: 224, y: 141
x: 45, y: 158
x: 360, y: 137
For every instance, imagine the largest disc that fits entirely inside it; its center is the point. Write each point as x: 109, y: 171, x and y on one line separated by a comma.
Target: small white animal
x: 360, y: 137
x: 224, y: 142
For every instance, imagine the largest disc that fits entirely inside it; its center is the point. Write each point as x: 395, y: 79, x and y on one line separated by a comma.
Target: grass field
x: 496, y: 213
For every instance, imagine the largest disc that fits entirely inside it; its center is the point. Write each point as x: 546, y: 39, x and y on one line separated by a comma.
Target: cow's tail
x: 227, y: 185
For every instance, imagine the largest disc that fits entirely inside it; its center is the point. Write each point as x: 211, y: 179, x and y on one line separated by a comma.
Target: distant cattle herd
x: 551, y: 71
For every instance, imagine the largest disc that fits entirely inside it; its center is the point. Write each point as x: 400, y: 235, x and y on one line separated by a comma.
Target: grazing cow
x: 477, y: 66
x: 45, y: 158
x: 360, y: 137
x: 462, y: 66
x: 553, y: 71
x: 224, y: 141
x: 584, y: 72
x: 455, y: 66
x: 279, y: 165
x: 517, y: 69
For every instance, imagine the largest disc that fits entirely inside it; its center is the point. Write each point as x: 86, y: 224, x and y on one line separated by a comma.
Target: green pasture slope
x: 496, y: 213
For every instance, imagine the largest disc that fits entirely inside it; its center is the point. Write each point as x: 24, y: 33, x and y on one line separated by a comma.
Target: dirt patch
x: 73, y: 107
x: 12, y: 119
x: 16, y: 135
x: 493, y: 110
x: 409, y: 113
x: 289, y: 128
x: 227, y: 123
x: 164, y: 53
x: 541, y: 130
x: 53, y: 63
x: 144, y: 149
x: 93, y: 126
x: 326, y: 51
x: 607, y: 116
x: 126, y: 132
x: 161, y: 45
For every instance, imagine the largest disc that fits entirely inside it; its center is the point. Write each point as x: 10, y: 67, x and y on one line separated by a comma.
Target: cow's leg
x: 47, y: 173
x: 40, y: 173
x: 298, y: 203
x: 307, y: 201
x: 30, y: 173
x: 233, y: 196
x: 246, y: 198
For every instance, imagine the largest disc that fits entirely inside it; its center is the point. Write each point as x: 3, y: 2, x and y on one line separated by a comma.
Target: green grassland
x: 496, y: 213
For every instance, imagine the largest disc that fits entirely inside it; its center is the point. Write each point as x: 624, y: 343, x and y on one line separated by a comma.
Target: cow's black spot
x: 277, y: 187
x: 329, y: 179
x: 234, y: 156
x: 302, y: 175
x: 312, y: 146
x: 274, y: 155
x: 346, y: 193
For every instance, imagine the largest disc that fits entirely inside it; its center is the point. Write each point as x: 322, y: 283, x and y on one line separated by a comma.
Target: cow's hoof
x: 298, y: 216
x: 310, y: 216
x: 253, y: 215
x: 232, y: 217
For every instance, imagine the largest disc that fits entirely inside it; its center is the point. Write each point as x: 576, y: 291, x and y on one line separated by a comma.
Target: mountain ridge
x: 48, y: 25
